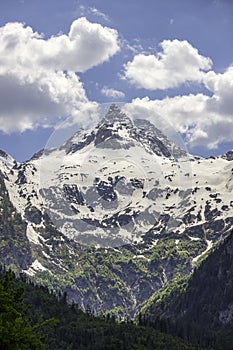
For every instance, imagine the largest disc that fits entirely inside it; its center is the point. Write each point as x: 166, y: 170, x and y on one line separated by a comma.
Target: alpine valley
x: 115, y: 215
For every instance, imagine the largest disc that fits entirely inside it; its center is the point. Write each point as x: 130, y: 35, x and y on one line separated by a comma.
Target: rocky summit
x: 114, y: 214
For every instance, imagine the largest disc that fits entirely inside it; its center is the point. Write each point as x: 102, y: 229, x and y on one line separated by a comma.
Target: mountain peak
x: 116, y: 116
x: 116, y: 130
x: 114, y: 109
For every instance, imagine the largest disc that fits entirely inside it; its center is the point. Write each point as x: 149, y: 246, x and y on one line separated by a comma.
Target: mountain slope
x: 14, y: 247
x: 200, y: 308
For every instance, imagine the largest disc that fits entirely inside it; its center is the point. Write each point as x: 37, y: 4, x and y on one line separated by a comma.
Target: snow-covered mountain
x: 100, y: 186
x: 125, y: 189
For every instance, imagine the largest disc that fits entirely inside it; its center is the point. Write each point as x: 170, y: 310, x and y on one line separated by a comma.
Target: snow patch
x: 34, y: 268
x: 209, y: 246
x: 32, y: 235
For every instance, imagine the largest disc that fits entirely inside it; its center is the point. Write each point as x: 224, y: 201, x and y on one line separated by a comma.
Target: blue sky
x: 170, y: 61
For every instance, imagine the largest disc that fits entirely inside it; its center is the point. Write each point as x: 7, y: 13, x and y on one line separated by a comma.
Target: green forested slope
x: 25, y: 307
x: 199, y: 309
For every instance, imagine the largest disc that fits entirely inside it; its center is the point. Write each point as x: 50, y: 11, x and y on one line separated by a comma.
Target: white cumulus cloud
x: 221, y: 85
x: 203, y: 120
x: 38, y: 83
x: 177, y: 63
x: 112, y: 93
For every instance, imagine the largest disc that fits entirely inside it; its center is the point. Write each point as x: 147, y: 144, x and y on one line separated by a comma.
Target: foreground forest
x: 33, y: 318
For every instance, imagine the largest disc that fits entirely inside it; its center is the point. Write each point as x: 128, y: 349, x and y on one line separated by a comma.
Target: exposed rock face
x: 228, y: 156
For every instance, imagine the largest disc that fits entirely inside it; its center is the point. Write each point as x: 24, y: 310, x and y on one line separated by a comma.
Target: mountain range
x: 114, y: 214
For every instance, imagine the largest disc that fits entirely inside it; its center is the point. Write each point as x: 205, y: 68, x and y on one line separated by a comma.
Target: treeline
x: 31, y: 317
